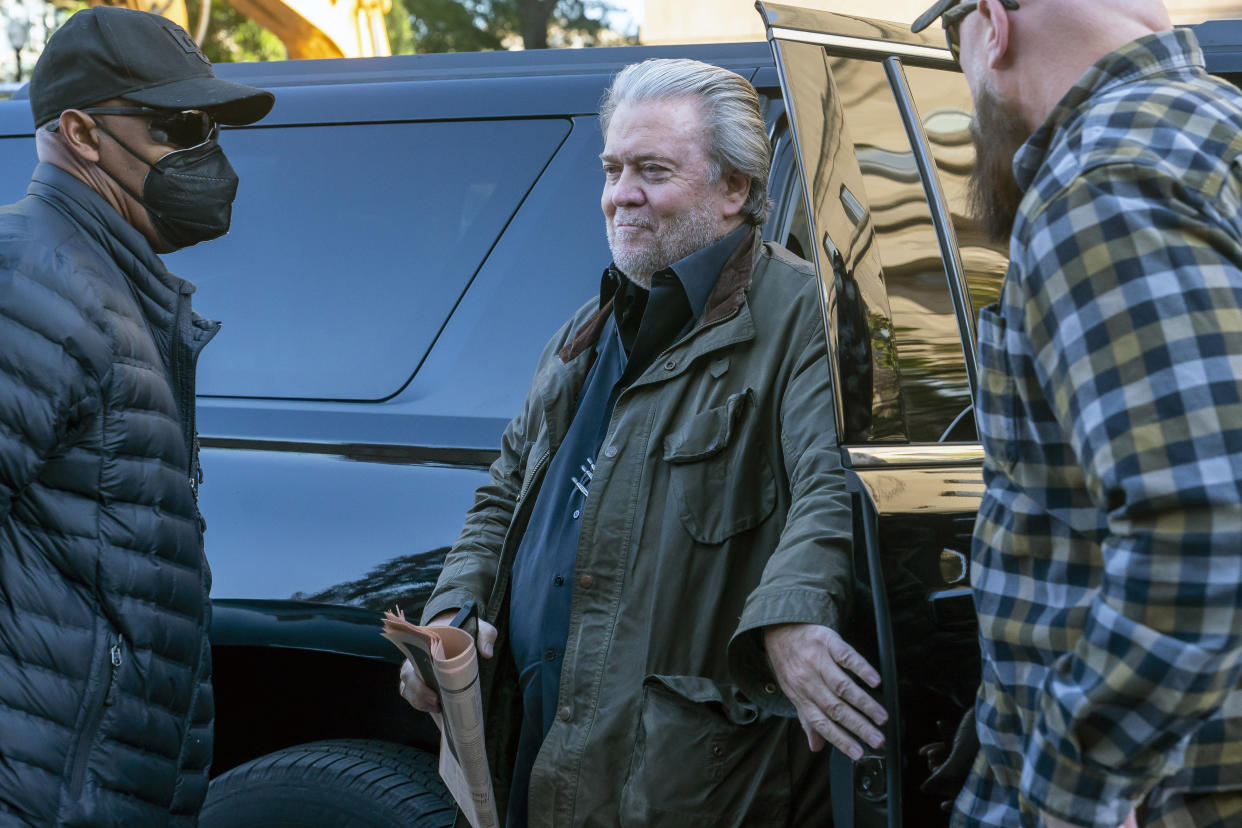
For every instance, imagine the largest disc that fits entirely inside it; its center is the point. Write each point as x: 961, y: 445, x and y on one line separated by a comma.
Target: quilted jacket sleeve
x: 47, y: 382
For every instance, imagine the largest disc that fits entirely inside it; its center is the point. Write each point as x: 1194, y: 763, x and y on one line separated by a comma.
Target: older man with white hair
x: 1107, y: 560
x: 662, y: 554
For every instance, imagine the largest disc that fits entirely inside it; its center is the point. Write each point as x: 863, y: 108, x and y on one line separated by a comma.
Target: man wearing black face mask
x: 105, y: 698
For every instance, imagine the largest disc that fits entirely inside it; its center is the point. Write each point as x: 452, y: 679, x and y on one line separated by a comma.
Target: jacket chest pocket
x: 719, y: 475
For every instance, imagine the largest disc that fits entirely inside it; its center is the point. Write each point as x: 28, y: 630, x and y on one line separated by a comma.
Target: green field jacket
x: 718, y: 507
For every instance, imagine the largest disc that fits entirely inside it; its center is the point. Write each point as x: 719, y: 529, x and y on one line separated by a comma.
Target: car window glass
x: 842, y: 243
x: 788, y: 224
x: 934, y: 387
x: 944, y: 105
x: 350, y: 246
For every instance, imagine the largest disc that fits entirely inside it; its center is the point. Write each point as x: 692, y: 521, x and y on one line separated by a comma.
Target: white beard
x: 679, y: 238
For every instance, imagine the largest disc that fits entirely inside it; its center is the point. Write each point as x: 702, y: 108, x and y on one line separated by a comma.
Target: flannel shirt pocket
x: 996, y: 408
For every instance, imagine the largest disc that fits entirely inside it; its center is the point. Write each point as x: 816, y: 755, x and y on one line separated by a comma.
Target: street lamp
x: 18, y: 30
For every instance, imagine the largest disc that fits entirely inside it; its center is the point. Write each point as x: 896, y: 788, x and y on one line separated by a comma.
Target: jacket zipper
x: 184, y: 361
x: 530, y: 481
x: 99, y: 705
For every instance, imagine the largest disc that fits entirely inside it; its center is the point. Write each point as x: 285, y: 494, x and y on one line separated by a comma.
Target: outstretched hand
x: 813, y: 666
x: 415, y: 691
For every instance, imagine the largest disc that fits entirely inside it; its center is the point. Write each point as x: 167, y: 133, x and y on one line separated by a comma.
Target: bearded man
x: 105, y: 693
x: 1107, y: 557
x: 663, y: 551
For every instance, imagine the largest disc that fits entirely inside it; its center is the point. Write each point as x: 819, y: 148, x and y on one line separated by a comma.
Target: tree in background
x: 451, y: 25
x: 421, y: 26
x: 472, y: 25
x: 414, y: 26
x: 570, y: 17
x: 231, y: 36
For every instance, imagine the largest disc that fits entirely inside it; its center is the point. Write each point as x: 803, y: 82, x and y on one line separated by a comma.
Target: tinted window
x: 934, y: 388
x: 945, y: 107
x: 351, y: 244
x: 787, y: 223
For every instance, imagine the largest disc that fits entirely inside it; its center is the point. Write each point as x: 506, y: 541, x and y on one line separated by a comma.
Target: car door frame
x: 950, y: 474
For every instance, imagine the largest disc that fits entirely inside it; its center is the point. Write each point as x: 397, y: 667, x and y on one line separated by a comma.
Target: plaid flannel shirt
x: 1107, y: 559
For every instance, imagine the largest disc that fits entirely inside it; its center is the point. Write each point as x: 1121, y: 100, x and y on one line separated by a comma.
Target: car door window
x: 934, y: 388
x: 944, y: 104
x: 788, y: 223
x: 351, y: 244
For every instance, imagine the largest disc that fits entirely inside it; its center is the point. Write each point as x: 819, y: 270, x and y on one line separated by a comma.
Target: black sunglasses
x: 953, y: 18
x: 185, y: 128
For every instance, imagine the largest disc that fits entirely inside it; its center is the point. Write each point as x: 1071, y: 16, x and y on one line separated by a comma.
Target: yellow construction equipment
x: 308, y: 28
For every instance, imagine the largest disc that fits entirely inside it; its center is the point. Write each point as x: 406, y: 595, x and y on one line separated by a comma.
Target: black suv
x: 408, y: 233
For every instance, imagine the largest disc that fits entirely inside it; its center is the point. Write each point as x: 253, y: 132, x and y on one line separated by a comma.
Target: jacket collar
x: 127, y: 247
x: 726, y: 297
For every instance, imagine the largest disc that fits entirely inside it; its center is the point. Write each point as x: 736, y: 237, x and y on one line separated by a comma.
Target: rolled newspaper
x: 445, y: 658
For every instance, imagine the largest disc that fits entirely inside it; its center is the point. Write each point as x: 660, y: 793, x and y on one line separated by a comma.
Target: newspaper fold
x: 446, y: 660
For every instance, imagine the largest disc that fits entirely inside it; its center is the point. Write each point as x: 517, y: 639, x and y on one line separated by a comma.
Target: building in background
x: 711, y: 21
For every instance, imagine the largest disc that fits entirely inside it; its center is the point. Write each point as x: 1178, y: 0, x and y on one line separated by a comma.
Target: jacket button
x: 585, y: 581
x: 564, y: 714
x: 611, y: 451
x: 670, y: 365
x: 717, y: 751
x: 769, y: 688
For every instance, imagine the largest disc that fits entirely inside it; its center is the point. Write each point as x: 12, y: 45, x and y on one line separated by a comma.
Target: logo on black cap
x: 187, y: 43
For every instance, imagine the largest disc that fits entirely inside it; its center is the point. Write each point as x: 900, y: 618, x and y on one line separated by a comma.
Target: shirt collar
x: 697, y: 272
x: 1159, y: 53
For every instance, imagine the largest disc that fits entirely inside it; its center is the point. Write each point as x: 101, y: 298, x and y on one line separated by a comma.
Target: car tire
x: 345, y: 783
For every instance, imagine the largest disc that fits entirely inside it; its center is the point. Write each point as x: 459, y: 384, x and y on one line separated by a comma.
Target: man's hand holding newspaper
x: 412, y: 687
x: 440, y: 677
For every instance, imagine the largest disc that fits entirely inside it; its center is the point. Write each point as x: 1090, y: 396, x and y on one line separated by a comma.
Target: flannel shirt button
x: 670, y: 365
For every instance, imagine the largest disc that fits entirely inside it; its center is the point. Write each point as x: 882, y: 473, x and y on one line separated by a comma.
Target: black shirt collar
x: 699, y: 271
x: 697, y: 274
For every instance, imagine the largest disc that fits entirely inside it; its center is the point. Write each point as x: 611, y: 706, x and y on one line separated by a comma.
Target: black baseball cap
x: 107, y: 52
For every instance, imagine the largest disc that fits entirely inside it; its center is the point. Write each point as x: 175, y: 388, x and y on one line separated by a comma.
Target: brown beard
x: 998, y: 133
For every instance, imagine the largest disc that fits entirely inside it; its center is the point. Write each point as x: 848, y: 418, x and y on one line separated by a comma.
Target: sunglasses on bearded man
x: 952, y: 19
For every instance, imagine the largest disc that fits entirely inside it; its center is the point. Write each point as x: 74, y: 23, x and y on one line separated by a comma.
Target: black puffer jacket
x: 105, y: 700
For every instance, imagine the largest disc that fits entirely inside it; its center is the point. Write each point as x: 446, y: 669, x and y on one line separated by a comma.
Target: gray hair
x: 736, y: 136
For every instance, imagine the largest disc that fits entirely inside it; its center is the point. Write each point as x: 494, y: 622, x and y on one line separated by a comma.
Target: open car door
x: 880, y: 122
x: 880, y: 118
